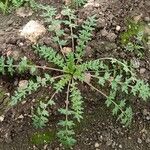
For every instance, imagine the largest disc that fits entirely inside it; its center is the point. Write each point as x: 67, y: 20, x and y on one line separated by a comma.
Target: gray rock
x: 147, y: 140
x: 104, y: 32
x: 101, y: 23
x: 16, y: 55
x: 139, y: 140
x: 118, y: 28
x: 142, y: 70
x: 114, y: 144
x: 135, y: 62
x: 10, y: 22
x: 120, y: 146
x: 96, y: 145
x: 146, y: 112
x: 109, y: 142
x: 147, y: 19
x: 148, y: 118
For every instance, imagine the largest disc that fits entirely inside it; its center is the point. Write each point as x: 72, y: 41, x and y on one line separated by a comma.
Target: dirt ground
x: 98, y: 130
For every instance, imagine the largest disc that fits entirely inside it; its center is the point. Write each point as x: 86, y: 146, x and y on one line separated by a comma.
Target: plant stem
x: 104, y: 96
x: 96, y: 89
x: 6, y: 5
x: 67, y: 103
x: 119, y: 62
x: 38, y: 67
x: 72, y: 39
x: 121, y: 83
x: 52, y: 96
x: 56, y: 77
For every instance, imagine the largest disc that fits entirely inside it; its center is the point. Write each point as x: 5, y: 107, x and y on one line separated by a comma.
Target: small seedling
x: 133, y: 38
x: 7, y: 5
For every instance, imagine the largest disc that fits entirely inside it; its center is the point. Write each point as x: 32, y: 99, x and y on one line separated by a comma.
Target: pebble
x: 1, y: 118
x: 148, y: 118
x: 120, y: 146
x: 16, y: 55
x: 109, y: 142
x: 147, y: 19
x: 142, y: 70
x: 139, y: 140
x: 97, y: 145
x: 146, y: 112
x: 32, y: 30
x: 21, y: 117
x: 10, y: 22
x: 104, y: 32
x: 101, y: 23
x: 147, y: 140
x: 138, y: 18
x: 118, y: 28
x: 23, y: 84
x: 135, y: 62
x: 114, y: 144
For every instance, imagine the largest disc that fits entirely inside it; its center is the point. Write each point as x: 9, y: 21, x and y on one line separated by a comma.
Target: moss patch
x: 45, y: 137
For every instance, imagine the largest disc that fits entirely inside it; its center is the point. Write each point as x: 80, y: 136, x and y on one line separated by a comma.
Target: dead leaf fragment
x: 68, y: 2
x: 87, y: 77
x: 66, y: 50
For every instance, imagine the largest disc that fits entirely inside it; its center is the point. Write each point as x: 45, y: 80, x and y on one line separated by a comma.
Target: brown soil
x: 99, y: 130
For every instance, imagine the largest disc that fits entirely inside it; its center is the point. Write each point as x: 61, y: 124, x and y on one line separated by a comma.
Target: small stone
x: 97, y: 145
x: 45, y: 147
x: 21, y: 117
x: 10, y: 22
x: 2, y: 32
x: 113, y: 144
x: 120, y: 146
x: 137, y: 18
x: 139, y: 140
x: 104, y: 32
x: 1, y: 118
x: 23, y: 84
x: 145, y: 112
x: 21, y: 44
x: 148, y: 118
x: 15, y: 55
x: 135, y: 62
x: 147, y: 140
x: 101, y: 23
x: 91, y: 3
x: 89, y: 51
x: 147, y: 19
x: 24, y: 12
x: 142, y: 70
x: 109, y: 142
x: 147, y: 31
x: 32, y: 31
x: 67, y: 2
x: 118, y: 28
